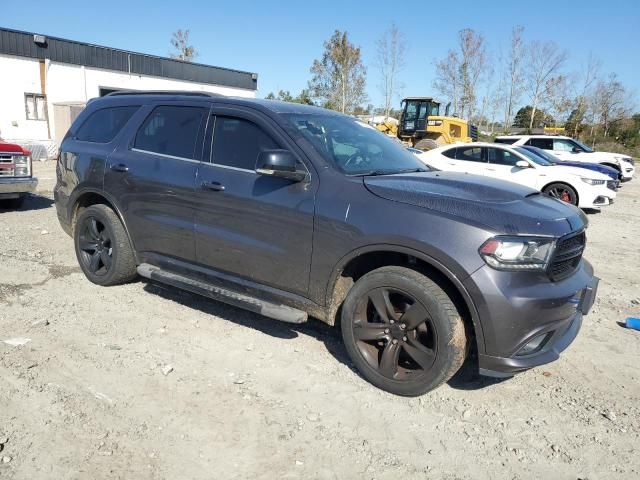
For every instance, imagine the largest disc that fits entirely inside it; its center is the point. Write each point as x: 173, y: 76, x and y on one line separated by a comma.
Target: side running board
x: 268, y: 309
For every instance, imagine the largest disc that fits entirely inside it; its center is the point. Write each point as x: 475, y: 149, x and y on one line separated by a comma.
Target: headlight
x: 591, y: 181
x: 517, y: 253
x: 23, y: 165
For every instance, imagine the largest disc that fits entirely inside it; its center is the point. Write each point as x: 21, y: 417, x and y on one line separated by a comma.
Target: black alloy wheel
x: 102, y: 246
x: 402, y: 331
x: 563, y: 192
x: 95, y: 244
x: 395, y: 334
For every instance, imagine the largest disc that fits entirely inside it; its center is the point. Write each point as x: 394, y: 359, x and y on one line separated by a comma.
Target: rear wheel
x: 103, y: 248
x: 563, y: 192
x: 402, y: 331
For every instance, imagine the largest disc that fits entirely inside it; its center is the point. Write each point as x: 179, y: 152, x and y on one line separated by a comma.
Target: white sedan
x: 578, y: 186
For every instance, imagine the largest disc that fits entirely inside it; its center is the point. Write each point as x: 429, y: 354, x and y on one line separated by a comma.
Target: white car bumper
x: 595, y: 196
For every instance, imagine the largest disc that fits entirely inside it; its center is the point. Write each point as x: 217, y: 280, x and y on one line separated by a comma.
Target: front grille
x: 613, y: 184
x: 567, y: 255
x: 7, y: 165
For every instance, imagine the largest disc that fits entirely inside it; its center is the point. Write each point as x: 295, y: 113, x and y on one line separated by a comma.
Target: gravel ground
x: 143, y: 382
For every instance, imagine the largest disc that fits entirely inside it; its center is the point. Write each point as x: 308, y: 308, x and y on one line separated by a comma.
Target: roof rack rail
x: 163, y: 92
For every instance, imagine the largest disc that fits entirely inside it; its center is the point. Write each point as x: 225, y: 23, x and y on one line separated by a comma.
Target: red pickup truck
x: 16, y: 179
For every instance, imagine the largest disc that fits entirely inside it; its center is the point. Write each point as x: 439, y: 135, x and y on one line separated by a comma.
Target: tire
x: 562, y: 191
x: 426, y: 144
x: 407, y: 361
x: 102, y: 247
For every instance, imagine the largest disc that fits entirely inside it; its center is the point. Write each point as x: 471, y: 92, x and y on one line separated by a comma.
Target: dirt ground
x: 90, y: 396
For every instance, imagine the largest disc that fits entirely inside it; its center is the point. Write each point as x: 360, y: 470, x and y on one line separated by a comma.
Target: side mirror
x: 279, y: 163
x: 575, y: 150
x: 522, y: 164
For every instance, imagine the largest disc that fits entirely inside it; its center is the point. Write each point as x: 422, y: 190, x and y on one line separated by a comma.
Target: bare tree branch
x: 391, y: 48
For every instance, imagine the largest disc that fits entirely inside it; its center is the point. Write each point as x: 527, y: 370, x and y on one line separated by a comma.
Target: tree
x: 544, y: 62
x: 339, y: 77
x: 447, y: 82
x: 473, y: 59
x: 514, y: 73
x: 587, y: 79
x: 285, y: 96
x: 458, y: 74
x: 610, y: 102
x: 180, y: 43
x: 524, y: 115
x: 390, y: 61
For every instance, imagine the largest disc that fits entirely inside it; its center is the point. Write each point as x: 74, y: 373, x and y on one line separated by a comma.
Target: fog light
x: 534, y: 345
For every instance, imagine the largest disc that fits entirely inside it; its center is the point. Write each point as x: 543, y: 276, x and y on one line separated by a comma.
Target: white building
x: 45, y: 82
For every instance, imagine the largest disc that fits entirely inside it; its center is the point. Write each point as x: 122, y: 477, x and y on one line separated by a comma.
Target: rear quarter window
x: 103, y: 125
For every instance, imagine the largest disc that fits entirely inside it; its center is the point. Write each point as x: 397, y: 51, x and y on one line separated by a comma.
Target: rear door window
x: 543, y: 143
x: 238, y: 142
x: 103, y: 125
x: 469, y: 154
x: 171, y: 130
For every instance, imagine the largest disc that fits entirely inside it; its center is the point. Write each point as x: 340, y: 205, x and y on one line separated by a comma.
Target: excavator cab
x: 423, y: 128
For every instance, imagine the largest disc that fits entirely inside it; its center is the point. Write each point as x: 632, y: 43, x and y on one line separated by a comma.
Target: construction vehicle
x: 423, y: 128
x: 389, y: 126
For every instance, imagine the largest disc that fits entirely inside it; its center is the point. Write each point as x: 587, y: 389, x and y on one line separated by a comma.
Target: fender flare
x: 73, y: 202
x: 437, y: 265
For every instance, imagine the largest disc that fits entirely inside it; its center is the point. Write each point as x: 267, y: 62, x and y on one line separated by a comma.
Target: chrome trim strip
x: 165, y: 155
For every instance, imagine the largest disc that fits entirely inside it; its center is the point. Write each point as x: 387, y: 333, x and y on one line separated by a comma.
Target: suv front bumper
x: 515, y: 315
x: 14, y: 187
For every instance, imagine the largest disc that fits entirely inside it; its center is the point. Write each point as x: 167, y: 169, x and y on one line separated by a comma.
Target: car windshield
x: 583, y: 146
x: 534, y: 156
x: 354, y: 147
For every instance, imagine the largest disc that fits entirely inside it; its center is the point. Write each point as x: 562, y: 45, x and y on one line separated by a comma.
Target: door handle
x: 215, y: 186
x: 120, y: 167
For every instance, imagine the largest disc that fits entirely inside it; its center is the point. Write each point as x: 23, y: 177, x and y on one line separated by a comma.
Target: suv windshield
x: 354, y: 147
x: 534, y: 156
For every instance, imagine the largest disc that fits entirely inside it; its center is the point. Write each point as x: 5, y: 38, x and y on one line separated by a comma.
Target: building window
x: 34, y: 104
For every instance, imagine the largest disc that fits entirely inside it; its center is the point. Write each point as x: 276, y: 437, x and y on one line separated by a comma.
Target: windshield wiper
x: 374, y: 173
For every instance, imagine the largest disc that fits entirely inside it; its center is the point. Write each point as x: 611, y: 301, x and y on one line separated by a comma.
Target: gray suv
x: 293, y: 212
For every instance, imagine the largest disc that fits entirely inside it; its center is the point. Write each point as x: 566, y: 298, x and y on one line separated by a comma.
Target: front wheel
x: 402, y: 331
x: 563, y: 192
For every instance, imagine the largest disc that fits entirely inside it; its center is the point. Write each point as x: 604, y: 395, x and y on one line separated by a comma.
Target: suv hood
x: 598, y: 157
x: 501, y: 206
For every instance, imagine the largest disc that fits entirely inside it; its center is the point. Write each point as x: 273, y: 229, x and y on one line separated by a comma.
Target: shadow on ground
x: 467, y: 377
x: 30, y: 202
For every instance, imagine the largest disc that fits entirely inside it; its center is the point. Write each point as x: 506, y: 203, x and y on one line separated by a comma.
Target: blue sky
x: 279, y: 40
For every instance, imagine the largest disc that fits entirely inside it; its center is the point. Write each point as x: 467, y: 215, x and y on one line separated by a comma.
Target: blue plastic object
x: 632, y: 322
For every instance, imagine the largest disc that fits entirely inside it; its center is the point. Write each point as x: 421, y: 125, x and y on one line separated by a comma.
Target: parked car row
x: 588, y: 185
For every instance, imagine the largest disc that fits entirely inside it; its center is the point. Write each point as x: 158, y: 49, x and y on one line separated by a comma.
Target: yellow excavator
x: 422, y: 126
